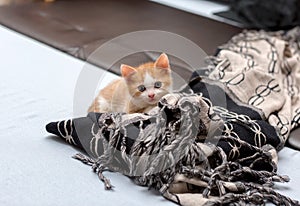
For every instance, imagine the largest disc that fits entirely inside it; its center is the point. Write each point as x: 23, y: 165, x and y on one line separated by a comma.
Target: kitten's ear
x: 162, y: 62
x: 127, y: 70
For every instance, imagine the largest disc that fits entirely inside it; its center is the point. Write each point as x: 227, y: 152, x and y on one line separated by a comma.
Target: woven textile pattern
x: 216, y: 141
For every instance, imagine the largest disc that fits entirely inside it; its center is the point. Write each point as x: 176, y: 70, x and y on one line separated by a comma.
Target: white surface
x: 200, y: 7
x: 37, y: 85
x: 289, y: 164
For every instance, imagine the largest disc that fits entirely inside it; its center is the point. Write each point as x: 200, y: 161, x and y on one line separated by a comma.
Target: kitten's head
x: 148, y: 82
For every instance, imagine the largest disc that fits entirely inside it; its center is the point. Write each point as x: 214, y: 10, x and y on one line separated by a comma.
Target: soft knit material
x: 216, y: 141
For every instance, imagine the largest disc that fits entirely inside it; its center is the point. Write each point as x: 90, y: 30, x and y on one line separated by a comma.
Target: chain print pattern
x: 283, y: 125
x: 66, y: 133
x: 222, y: 67
x: 259, y: 137
x: 263, y: 91
x: 296, y: 119
x: 289, y: 81
x: 273, y: 57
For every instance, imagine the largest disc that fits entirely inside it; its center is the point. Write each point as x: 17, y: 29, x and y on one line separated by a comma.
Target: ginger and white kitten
x: 139, y: 89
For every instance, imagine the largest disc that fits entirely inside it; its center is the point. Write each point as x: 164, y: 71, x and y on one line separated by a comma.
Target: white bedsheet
x: 36, y: 86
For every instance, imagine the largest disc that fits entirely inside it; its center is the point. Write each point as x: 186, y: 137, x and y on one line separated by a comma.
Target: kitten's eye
x: 157, y: 85
x: 141, y: 88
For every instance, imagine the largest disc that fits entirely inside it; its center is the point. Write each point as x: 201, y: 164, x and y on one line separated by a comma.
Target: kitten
x: 139, y: 89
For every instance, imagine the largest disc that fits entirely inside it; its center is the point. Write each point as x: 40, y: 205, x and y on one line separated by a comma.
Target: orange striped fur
x: 138, y: 90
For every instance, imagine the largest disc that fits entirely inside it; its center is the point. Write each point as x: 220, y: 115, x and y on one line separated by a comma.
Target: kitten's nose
x: 151, y: 95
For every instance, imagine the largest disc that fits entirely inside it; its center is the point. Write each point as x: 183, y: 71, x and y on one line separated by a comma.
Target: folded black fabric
x: 216, y: 141
x: 267, y: 14
x: 186, y: 133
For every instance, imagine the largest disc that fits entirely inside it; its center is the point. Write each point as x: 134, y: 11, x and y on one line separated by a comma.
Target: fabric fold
x: 216, y: 141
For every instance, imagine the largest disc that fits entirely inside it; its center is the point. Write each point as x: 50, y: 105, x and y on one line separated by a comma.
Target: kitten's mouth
x: 152, y: 101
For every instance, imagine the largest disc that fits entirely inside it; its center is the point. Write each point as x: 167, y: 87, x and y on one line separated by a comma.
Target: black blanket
x: 216, y: 141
